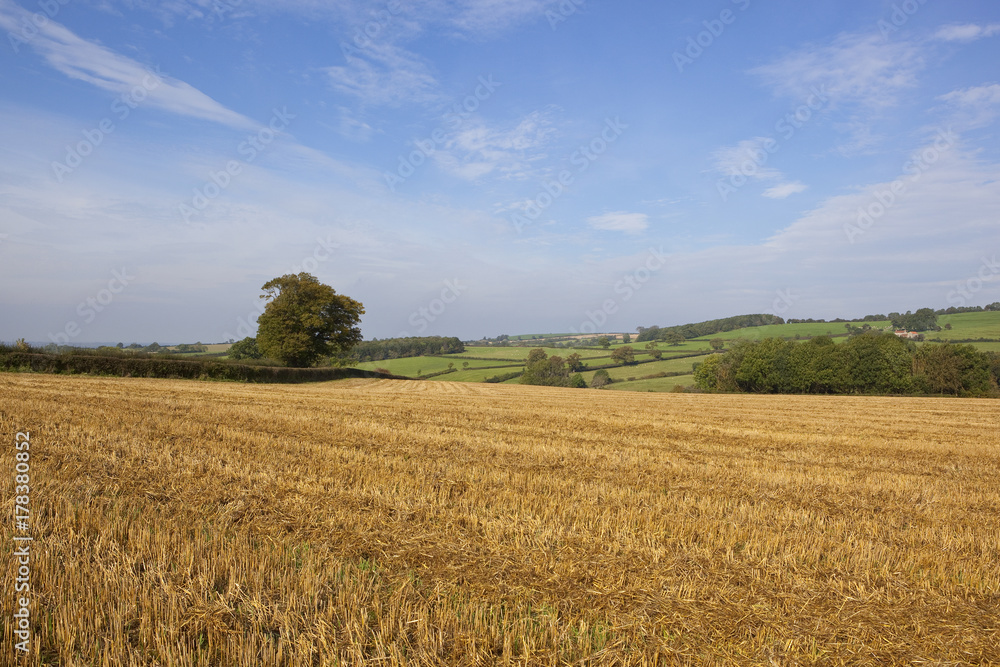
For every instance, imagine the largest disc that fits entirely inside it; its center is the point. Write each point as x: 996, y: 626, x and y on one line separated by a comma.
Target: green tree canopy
x: 305, y: 320
x: 922, y: 320
x: 544, y: 370
x: 868, y: 363
x: 245, y: 349
x: 624, y: 355
x: 600, y: 379
x: 674, y: 337
x: 575, y: 362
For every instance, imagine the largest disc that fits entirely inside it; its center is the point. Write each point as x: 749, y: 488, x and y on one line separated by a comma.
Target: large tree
x: 624, y: 355
x: 574, y: 363
x: 305, y: 320
x: 545, y: 370
x: 673, y: 337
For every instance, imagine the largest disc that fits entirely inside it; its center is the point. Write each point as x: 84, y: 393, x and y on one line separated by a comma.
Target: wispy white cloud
x: 385, y: 74
x: 785, y: 190
x: 478, y: 149
x: 469, y: 18
x: 97, y: 65
x: 862, y: 75
x: 482, y: 17
x: 620, y: 221
x: 855, y: 69
x: 966, y: 32
x: 862, y: 137
x: 974, y: 107
x: 747, y: 158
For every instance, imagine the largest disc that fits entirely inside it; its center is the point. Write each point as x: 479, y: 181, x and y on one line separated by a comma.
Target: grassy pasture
x: 664, y: 366
x: 409, y: 366
x: 416, y: 523
x: 808, y: 329
x: 985, y: 347
x: 968, y: 325
x: 521, y: 353
x: 686, y: 347
x: 656, y: 384
x: 213, y: 348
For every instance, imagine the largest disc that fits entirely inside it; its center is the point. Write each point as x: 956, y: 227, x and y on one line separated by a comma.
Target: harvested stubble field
x: 419, y: 523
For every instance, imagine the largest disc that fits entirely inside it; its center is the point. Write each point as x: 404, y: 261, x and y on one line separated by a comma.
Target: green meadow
x: 656, y: 384
x: 968, y: 325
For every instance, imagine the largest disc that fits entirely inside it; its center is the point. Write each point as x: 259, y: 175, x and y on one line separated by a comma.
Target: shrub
x: 504, y: 377
x: 245, y: 349
x: 160, y: 367
x: 600, y: 379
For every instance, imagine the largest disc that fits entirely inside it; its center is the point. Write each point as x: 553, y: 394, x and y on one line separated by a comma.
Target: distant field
x: 964, y: 325
x: 665, y: 366
x: 477, y: 375
x: 658, y: 384
x: 410, y: 366
x: 480, y: 370
x: 379, y: 522
x: 968, y: 325
x: 214, y: 348
x: 985, y: 347
x: 529, y: 337
x: 789, y: 330
x: 521, y: 353
x: 688, y: 346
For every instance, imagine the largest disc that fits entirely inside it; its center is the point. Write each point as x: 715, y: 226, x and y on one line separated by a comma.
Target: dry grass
x: 419, y: 523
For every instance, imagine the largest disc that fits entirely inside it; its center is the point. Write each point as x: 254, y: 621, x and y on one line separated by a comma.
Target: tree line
x: 397, y: 348
x: 707, y: 328
x: 870, y: 363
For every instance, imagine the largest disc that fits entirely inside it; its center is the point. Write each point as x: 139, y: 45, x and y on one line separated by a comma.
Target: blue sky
x: 477, y: 167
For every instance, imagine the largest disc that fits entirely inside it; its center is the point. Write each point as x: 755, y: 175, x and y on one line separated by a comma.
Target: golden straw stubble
x: 395, y: 522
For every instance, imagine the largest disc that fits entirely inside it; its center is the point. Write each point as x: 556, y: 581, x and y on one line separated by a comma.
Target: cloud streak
x: 385, y: 75
x: 854, y: 69
x: 620, y: 221
x: 967, y: 32
x: 977, y: 106
x: 98, y: 66
x: 478, y: 149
